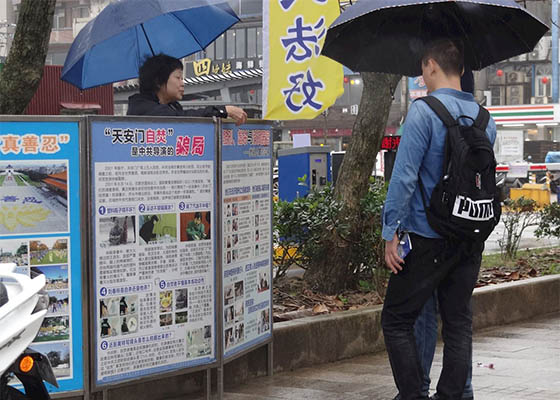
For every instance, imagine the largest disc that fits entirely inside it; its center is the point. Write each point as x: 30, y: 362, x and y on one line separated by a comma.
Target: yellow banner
x: 298, y: 83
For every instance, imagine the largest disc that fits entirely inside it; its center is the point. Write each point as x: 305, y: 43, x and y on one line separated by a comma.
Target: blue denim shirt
x: 421, y: 153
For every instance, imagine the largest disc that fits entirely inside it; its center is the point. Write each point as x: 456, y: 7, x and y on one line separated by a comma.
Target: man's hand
x: 392, y: 259
x: 237, y: 114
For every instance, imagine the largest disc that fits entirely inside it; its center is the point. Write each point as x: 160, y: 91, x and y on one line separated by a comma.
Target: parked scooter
x: 23, y: 305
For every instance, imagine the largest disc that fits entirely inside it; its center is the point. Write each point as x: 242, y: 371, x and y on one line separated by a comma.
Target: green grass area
x: 496, y: 260
x: 50, y: 258
x: 30, y: 182
x: 2, y: 177
x: 20, y: 181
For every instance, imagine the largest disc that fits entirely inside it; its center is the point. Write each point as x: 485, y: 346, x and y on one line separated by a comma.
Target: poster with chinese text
x: 154, y: 194
x: 247, y: 236
x: 40, y: 231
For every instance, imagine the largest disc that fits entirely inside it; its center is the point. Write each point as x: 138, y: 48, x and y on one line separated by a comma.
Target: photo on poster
x: 181, y: 317
x: 128, y: 305
x: 263, y: 324
x: 234, y: 209
x: 165, y: 301
x: 22, y: 270
x: 257, y: 220
x: 109, y: 307
x: 228, y: 257
x: 55, y: 275
x: 48, y: 251
x: 228, y: 338
x: 165, y: 319
x: 117, y: 231
x: 14, y: 251
x: 239, y: 310
x: 181, y: 299
x: 228, y: 210
x: 158, y: 228
x: 33, y: 197
x: 110, y: 327
x: 234, y: 225
x: 228, y: 294
x: 59, y: 301
x: 234, y: 255
x: 263, y: 284
x: 228, y: 242
x: 53, y: 329
x: 199, y: 342
x: 195, y: 226
x: 239, y: 333
x: 129, y: 324
x: 256, y: 205
x: 239, y: 289
x: 58, y: 354
x: 229, y: 315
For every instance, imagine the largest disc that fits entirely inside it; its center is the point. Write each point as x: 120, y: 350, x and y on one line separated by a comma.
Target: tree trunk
x: 23, y: 71
x: 333, y: 273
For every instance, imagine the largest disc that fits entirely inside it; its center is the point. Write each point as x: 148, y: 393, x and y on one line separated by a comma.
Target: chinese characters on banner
x: 298, y: 82
x: 40, y: 232
x: 153, y: 186
x: 247, y: 236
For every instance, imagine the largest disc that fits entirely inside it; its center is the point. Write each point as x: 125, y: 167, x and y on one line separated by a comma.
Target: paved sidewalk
x: 525, y: 355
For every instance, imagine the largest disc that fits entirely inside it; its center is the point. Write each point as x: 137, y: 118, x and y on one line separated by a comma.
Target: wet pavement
x: 525, y: 358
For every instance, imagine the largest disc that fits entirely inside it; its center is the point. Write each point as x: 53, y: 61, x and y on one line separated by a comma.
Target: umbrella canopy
x: 113, y: 45
x: 389, y: 35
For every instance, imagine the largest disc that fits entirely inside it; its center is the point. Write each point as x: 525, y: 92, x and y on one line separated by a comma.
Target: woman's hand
x: 236, y: 114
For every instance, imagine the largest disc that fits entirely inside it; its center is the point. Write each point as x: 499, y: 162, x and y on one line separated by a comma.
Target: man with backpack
x: 441, y: 205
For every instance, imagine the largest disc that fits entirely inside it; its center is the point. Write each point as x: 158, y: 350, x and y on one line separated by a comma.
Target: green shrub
x: 517, y: 215
x: 549, y: 224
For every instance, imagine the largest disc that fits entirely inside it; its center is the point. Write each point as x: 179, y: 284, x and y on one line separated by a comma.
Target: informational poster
x: 247, y: 236
x: 40, y: 231
x: 154, y: 276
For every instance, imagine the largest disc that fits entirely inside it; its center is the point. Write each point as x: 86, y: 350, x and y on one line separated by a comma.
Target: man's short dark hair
x: 155, y: 72
x: 447, y: 53
x: 198, y: 214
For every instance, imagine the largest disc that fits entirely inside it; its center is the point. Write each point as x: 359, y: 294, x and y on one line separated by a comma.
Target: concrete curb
x: 327, y: 338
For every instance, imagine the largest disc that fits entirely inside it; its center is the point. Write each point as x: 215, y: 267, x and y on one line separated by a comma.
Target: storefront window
x: 230, y: 44
x: 259, y: 42
x: 251, y: 42
x: 240, y: 43
x: 219, y: 46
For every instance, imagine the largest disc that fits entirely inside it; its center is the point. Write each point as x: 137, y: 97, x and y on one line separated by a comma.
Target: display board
x: 153, y: 196
x: 40, y: 230
x: 246, y: 207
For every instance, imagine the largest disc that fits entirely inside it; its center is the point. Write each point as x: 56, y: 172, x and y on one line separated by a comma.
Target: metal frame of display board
x: 83, y: 239
x: 268, y: 341
x: 105, y: 388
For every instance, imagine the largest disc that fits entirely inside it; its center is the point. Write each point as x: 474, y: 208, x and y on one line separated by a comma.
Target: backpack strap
x: 482, y: 119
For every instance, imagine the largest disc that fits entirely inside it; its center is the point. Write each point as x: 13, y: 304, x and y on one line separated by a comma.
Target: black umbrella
x: 389, y: 35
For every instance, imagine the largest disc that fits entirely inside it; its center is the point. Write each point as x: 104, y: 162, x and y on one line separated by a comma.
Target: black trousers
x: 453, y: 270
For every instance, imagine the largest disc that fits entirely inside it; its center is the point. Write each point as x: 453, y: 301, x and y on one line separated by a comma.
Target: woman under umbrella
x: 161, y: 88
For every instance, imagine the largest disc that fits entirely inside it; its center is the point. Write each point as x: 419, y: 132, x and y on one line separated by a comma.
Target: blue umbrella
x: 389, y: 35
x: 113, y: 45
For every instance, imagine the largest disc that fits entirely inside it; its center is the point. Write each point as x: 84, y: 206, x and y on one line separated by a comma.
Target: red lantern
x: 499, y: 72
x: 346, y: 79
x: 544, y: 80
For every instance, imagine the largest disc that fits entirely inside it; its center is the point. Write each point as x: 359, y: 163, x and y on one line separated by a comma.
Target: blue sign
x: 40, y: 231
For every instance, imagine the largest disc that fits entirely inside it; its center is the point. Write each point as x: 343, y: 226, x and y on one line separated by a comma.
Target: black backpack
x: 465, y: 203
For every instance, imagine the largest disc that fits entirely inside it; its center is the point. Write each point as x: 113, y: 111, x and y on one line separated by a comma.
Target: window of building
x: 240, y: 42
x: 543, y: 89
x: 219, y: 46
x: 259, y: 42
x: 251, y: 42
x: 59, y: 19
x: 230, y: 44
x: 250, y: 8
x: 80, y: 12
x: 209, y: 52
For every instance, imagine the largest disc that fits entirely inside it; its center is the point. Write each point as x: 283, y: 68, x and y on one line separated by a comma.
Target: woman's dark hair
x: 155, y: 72
x: 198, y: 214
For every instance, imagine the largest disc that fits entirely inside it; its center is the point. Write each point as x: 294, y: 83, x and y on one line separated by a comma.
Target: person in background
x: 195, y: 228
x: 161, y: 88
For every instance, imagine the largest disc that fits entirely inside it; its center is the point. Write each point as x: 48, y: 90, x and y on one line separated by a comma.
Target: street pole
x: 555, y: 51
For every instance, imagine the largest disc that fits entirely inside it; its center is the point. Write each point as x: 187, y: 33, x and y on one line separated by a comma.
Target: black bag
x: 465, y: 203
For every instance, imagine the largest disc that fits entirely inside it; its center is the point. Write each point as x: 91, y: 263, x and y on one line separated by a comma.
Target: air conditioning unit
x: 515, y: 77
x: 515, y: 95
x: 539, y: 100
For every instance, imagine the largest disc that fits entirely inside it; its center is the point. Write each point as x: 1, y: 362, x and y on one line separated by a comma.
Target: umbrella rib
x: 147, y: 39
